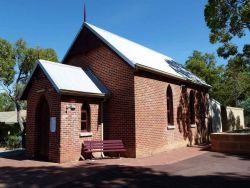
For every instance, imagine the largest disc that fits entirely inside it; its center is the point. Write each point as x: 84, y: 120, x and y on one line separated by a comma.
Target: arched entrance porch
x: 42, y: 124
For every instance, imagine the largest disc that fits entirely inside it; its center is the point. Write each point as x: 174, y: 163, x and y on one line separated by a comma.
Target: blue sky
x: 175, y: 28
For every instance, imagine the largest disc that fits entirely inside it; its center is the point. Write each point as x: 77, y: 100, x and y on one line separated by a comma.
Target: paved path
x: 186, y: 167
x: 168, y: 157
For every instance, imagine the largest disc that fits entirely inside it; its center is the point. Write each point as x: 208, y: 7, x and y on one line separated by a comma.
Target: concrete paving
x: 184, y: 167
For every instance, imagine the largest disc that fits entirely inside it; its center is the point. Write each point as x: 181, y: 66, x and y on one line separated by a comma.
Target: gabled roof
x: 68, y: 79
x: 138, y: 56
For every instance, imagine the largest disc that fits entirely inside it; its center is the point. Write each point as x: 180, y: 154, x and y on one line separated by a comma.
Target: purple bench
x: 110, y: 146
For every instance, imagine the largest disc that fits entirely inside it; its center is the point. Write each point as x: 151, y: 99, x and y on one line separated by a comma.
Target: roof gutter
x: 83, y: 94
x: 165, y: 74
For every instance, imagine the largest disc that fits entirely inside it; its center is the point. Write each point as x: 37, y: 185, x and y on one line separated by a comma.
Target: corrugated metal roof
x: 136, y: 55
x: 11, y: 116
x: 69, y: 78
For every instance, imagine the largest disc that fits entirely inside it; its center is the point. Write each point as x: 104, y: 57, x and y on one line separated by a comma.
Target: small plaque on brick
x: 52, y: 124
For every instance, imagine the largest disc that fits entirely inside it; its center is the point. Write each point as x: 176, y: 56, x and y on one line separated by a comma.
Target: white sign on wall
x: 52, y: 124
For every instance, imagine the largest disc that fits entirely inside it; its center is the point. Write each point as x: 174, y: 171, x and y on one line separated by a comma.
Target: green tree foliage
x: 230, y: 84
x: 246, y: 105
x: 16, y: 64
x: 237, y: 81
x: 228, y: 19
x: 7, y: 62
x: 6, y: 104
x: 204, y: 66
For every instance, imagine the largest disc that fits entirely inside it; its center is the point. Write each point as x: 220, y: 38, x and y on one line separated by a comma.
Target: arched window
x: 170, y: 109
x: 85, y: 118
x: 191, y: 108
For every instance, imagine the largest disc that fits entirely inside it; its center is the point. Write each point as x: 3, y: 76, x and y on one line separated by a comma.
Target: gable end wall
x: 118, y: 77
x: 38, y: 88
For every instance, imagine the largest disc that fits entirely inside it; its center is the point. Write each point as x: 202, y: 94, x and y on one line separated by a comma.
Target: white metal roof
x: 136, y: 55
x: 68, y: 78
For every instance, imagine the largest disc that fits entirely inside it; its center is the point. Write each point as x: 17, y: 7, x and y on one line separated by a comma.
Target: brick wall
x: 71, y: 141
x: 152, y: 134
x: 236, y: 143
x: 40, y: 86
x: 117, y: 76
x: 136, y: 109
x: 66, y: 143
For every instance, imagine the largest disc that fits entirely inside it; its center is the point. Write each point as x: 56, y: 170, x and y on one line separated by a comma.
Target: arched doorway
x: 43, y: 121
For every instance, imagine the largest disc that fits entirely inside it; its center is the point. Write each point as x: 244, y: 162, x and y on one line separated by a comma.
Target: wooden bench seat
x: 111, y: 146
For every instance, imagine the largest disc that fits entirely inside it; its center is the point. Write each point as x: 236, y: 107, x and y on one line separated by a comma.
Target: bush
x: 8, y: 129
x: 2, y: 144
x: 13, y: 141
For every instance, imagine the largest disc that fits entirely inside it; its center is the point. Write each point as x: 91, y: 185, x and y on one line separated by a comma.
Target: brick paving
x: 168, y: 157
x: 185, y: 167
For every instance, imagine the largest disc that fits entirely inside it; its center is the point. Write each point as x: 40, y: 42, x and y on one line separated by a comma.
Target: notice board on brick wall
x: 52, y: 124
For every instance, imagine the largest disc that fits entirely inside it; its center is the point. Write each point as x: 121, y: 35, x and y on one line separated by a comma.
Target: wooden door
x: 43, y: 130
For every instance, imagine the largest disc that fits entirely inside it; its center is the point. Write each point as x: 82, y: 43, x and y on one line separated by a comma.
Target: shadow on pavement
x: 18, y: 154
x: 90, y: 175
x: 225, y: 155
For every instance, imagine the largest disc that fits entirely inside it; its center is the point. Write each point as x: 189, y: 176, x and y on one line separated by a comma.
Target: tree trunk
x: 19, y: 118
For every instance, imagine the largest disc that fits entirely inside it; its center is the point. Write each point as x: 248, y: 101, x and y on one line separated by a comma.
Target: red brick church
x: 108, y: 87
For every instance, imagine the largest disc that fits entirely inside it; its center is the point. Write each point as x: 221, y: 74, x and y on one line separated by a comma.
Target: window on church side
x: 170, y: 108
x: 191, y: 108
x: 85, y: 117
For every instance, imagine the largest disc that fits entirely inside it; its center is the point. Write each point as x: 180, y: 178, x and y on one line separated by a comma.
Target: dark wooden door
x: 43, y: 130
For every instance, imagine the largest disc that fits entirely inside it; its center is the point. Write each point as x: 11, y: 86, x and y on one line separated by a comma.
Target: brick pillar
x: 70, y: 129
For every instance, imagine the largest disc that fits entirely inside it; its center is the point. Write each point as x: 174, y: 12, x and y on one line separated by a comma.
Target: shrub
x: 8, y: 129
x: 13, y: 141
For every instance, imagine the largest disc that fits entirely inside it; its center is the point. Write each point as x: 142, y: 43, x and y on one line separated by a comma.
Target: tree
x: 230, y: 84
x: 6, y: 104
x: 16, y: 64
x: 246, y: 105
x: 204, y: 66
x: 237, y: 81
x: 228, y: 19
